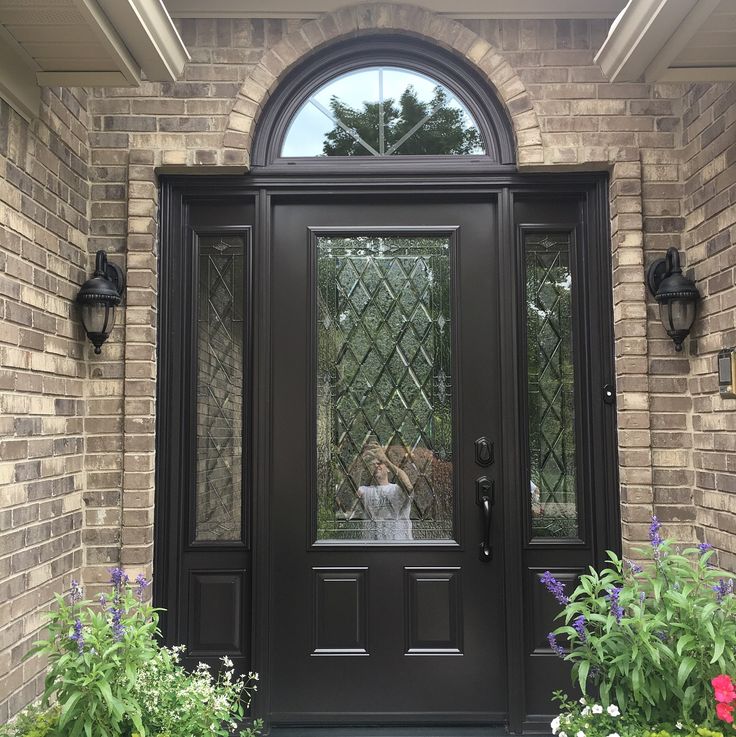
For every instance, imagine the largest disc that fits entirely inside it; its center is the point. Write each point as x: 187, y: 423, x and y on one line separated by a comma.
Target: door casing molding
x: 189, y: 202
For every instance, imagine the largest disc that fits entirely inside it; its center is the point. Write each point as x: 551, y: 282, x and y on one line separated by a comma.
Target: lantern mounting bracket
x: 656, y: 273
x: 115, y: 274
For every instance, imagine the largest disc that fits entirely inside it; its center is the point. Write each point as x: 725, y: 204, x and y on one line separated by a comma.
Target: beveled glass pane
x: 219, y: 388
x: 382, y: 111
x: 384, y: 389
x: 550, y: 385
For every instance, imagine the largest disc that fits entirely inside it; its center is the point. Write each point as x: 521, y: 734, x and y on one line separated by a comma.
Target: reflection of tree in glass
x: 384, y: 377
x: 441, y: 129
x: 550, y: 377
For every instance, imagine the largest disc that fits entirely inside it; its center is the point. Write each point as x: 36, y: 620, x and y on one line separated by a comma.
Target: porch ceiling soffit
x: 84, y: 43
x: 671, y: 41
x: 550, y: 9
x: 409, y: 19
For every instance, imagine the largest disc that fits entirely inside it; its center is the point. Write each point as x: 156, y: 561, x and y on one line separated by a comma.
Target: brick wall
x: 44, y: 194
x: 709, y: 209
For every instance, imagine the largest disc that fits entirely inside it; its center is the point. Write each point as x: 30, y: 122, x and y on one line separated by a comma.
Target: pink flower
x: 723, y: 711
x: 724, y: 689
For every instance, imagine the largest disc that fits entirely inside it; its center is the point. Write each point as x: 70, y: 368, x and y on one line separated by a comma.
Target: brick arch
x: 354, y: 20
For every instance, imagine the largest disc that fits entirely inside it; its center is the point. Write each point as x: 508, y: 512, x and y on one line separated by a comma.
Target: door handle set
x: 485, y: 494
x: 485, y: 498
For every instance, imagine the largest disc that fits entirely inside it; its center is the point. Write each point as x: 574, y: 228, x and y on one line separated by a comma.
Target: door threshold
x: 387, y: 731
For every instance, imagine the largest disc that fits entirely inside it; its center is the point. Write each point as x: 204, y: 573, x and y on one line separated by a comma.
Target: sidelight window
x: 220, y: 363
x: 550, y: 398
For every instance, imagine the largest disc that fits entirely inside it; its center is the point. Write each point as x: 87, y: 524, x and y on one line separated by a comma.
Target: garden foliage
x: 108, y: 676
x: 650, y: 639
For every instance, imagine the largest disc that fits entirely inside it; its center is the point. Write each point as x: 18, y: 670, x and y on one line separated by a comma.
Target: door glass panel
x: 219, y: 388
x: 384, y: 389
x: 550, y: 385
x: 382, y: 111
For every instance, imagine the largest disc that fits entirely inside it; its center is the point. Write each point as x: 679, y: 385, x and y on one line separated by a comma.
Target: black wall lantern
x: 98, y: 298
x: 677, y: 296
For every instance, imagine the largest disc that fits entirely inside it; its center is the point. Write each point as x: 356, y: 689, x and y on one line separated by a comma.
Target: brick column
x: 631, y: 346
x: 139, y: 408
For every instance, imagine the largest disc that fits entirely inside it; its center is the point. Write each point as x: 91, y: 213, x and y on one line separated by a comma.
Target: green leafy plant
x: 182, y: 704
x: 651, y: 639
x: 94, y: 655
x: 590, y: 719
x: 34, y: 721
x: 109, y: 677
x: 586, y: 718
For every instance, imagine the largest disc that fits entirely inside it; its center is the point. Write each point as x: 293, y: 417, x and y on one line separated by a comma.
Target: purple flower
x: 579, y: 626
x: 142, y: 584
x: 642, y: 597
x: 118, y: 578
x: 654, y: 537
x: 634, y: 567
x: 75, y: 594
x: 77, y: 636
x: 555, y: 646
x: 616, y: 609
x: 723, y: 589
x: 118, y: 630
x: 704, y: 548
x: 661, y: 635
x: 103, y: 601
x: 555, y: 587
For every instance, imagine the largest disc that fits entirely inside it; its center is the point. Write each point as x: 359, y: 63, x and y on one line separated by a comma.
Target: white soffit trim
x: 658, y: 70
x: 18, y: 85
x: 148, y: 32
x: 648, y: 35
x: 110, y: 40
x: 549, y: 9
x: 698, y: 74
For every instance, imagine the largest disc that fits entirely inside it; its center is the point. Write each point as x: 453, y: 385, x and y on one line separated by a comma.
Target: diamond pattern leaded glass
x: 219, y: 389
x: 382, y: 111
x: 550, y: 385
x: 384, y: 389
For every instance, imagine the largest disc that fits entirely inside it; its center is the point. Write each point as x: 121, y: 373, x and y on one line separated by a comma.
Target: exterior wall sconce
x: 98, y: 298
x: 677, y: 296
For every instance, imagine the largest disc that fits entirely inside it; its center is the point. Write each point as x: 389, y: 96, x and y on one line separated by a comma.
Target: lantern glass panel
x: 677, y: 314
x: 98, y: 318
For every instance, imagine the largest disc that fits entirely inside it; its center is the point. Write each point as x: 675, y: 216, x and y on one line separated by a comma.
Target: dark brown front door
x: 386, y: 572
x: 330, y: 352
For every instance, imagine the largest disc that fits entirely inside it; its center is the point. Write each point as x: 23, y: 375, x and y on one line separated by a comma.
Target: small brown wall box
x: 727, y: 372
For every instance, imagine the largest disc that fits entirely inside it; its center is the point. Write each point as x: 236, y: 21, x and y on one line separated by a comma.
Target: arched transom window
x: 383, y: 111
x: 376, y: 101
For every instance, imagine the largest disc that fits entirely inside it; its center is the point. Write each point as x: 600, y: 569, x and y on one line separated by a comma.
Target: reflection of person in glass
x: 387, y: 505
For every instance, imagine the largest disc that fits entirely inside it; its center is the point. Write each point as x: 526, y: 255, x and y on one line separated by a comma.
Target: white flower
x: 679, y: 725
x: 614, y: 734
x: 585, y: 711
x: 555, y: 724
x: 562, y: 734
x: 227, y: 662
x: 582, y: 699
x: 597, y: 709
x: 580, y: 734
x: 613, y: 710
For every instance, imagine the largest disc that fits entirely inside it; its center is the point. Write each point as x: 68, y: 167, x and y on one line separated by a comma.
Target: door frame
x: 181, y: 195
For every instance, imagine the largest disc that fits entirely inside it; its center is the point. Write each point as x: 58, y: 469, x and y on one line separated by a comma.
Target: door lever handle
x: 485, y: 493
